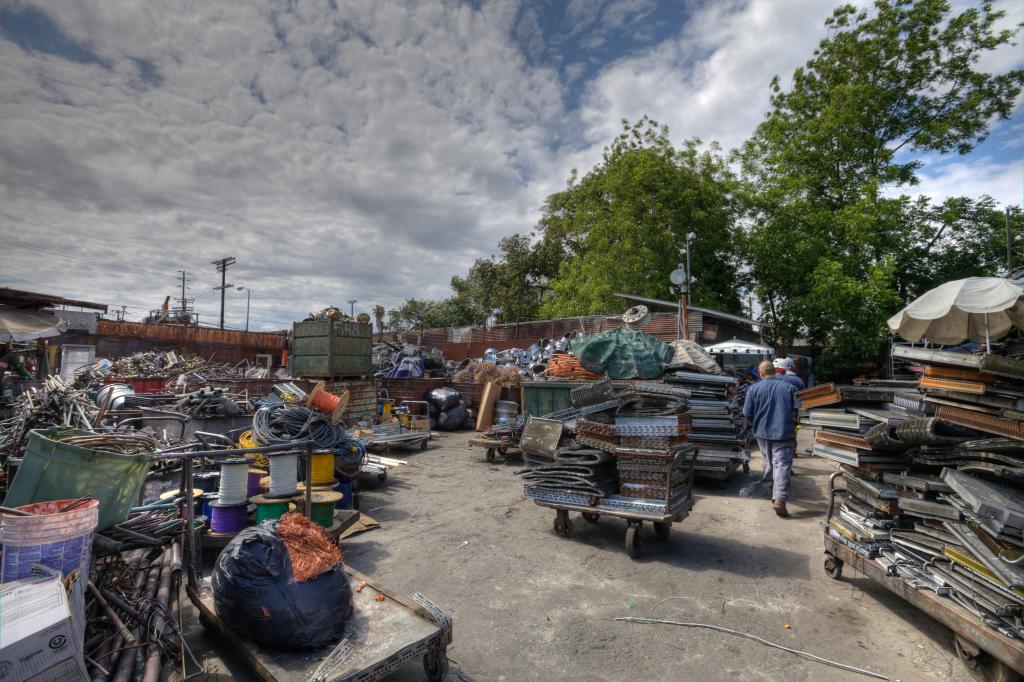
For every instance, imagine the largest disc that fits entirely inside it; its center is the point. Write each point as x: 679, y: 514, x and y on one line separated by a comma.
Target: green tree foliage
x: 622, y: 227
x: 831, y: 251
x: 378, y: 316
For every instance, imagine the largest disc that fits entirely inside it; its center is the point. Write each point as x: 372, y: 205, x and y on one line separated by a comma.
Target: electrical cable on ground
x: 719, y: 628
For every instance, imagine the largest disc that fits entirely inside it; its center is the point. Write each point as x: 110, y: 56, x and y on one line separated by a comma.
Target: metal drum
x: 505, y: 411
x: 115, y: 394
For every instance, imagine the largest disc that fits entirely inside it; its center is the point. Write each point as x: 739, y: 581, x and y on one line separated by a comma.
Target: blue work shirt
x: 770, y: 406
x: 797, y: 382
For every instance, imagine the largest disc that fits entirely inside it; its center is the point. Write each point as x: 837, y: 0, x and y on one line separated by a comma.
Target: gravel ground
x: 530, y: 605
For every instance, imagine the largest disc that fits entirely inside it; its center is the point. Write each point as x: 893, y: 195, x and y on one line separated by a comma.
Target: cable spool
x: 283, y: 479
x: 267, y: 508
x: 255, y: 478
x: 323, y: 508
x: 234, y: 481
x: 323, y: 468
x: 227, y: 518
x: 332, y: 405
x: 637, y: 316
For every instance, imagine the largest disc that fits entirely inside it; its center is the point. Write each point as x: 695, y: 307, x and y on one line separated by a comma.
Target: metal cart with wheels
x: 496, y: 447
x: 388, y: 630
x: 661, y: 514
x: 984, y: 650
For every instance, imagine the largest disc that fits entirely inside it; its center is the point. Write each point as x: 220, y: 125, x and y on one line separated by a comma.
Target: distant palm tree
x: 378, y: 315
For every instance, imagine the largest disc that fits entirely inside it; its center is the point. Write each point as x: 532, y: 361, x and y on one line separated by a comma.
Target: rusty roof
x: 19, y: 298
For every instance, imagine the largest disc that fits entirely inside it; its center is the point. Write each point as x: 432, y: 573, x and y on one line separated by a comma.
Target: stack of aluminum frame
x: 937, y: 495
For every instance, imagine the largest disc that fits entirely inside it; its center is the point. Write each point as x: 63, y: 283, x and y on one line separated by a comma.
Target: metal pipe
x: 309, y: 479
x: 129, y: 638
x: 151, y: 673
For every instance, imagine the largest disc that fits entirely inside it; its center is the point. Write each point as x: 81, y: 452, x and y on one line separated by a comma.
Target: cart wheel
x: 382, y: 476
x: 435, y: 665
x: 503, y: 451
x: 633, y: 540
x: 981, y: 664
x: 834, y: 567
x: 746, y: 467
x: 490, y: 454
x: 662, y: 530
x: 563, y: 524
x: 423, y: 443
x: 590, y: 517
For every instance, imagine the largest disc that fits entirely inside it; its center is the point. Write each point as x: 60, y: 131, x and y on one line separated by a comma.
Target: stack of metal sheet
x: 937, y: 497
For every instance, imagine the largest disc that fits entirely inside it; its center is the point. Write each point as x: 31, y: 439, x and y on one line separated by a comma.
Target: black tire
x: 590, y: 517
x: 382, y: 476
x: 834, y: 568
x: 563, y: 524
x: 490, y: 454
x: 423, y: 444
x: 746, y: 467
x: 435, y: 665
x: 662, y: 530
x: 633, y: 545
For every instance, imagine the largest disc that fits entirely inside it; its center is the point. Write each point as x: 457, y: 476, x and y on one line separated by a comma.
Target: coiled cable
x: 276, y: 424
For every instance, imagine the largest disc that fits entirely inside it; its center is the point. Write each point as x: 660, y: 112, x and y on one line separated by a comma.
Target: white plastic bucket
x: 59, y: 540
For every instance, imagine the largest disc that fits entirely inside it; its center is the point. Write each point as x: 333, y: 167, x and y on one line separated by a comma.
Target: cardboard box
x: 40, y: 637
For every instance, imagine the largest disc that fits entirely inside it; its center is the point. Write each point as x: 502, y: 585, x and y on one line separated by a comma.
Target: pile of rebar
x: 56, y: 404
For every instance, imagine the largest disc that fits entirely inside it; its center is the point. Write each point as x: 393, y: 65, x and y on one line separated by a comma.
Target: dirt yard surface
x: 530, y: 605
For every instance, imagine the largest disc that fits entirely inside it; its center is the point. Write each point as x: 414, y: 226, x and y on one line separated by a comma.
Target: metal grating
x: 980, y: 421
x: 997, y: 364
x: 830, y: 438
x: 974, y: 387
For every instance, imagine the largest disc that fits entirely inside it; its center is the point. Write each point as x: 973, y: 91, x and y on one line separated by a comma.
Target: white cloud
x: 370, y: 152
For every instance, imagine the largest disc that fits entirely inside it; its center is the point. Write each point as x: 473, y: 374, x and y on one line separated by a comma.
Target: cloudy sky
x: 365, y: 150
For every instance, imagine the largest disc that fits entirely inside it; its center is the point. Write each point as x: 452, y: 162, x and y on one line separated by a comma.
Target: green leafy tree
x: 378, y: 316
x: 829, y: 246
x: 622, y: 227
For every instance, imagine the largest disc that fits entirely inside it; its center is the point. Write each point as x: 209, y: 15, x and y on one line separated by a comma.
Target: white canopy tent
x: 27, y: 326
x: 737, y: 347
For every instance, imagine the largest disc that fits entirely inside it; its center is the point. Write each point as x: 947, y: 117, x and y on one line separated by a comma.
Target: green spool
x: 323, y: 514
x: 322, y: 510
x: 267, y: 508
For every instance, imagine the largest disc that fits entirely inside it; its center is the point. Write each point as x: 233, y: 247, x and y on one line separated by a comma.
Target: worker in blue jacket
x: 770, y: 405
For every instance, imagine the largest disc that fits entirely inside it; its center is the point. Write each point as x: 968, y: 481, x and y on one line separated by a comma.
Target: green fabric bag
x: 52, y: 470
x: 623, y: 353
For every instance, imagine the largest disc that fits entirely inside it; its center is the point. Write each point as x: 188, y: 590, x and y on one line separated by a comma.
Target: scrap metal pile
x: 934, y: 477
x: 55, y: 404
x: 155, y: 365
x: 642, y: 434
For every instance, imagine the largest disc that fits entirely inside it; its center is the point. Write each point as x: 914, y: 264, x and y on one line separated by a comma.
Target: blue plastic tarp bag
x: 408, y: 368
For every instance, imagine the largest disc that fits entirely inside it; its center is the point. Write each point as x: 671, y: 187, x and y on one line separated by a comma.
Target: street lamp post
x: 248, y: 298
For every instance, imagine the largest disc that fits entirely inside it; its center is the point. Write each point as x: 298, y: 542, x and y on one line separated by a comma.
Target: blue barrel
x: 345, y: 487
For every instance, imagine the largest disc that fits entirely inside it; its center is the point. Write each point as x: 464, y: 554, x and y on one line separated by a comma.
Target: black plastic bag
x: 255, y: 594
x: 443, y: 398
x: 453, y: 419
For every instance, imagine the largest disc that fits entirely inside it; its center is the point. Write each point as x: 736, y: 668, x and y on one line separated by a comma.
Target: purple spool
x: 253, y: 483
x: 224, y: 519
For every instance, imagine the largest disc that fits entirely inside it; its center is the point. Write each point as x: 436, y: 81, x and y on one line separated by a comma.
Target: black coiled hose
x: 276, y: 424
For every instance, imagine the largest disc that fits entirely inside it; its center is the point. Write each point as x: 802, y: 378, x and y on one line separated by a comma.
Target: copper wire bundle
x: 566, y: 366
x: 310, y: 548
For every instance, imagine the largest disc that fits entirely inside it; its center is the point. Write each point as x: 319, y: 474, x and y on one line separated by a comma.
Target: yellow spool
x: 323, y: 469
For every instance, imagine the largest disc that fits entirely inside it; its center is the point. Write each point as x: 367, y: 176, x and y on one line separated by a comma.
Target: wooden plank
x: 485, y: 414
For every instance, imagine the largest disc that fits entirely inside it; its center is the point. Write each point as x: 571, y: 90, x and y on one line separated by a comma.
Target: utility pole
x: 1009, y: 246
x: 222, y: 268
x: 248, y: 298
x: 352, y: 307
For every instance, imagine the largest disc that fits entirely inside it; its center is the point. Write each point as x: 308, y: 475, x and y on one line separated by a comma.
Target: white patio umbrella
x: 977, y: 308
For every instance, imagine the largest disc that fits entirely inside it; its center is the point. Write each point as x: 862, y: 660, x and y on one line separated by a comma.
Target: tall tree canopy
x: 831, y: 250
x: 623, y: 226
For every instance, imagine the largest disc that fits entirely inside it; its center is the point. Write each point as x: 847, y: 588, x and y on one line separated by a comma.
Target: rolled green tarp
x: 623, y: 353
